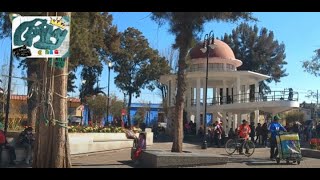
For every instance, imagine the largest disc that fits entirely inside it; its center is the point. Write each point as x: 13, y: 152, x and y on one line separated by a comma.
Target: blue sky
x: 300, y: 32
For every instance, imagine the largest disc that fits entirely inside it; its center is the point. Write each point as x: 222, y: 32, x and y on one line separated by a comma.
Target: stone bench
x: 161, y: 158
x: 82, y: 143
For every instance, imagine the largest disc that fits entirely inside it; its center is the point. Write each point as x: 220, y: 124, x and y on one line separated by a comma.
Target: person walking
x: 259, y: 134
x: 264, y: 134
x: 253, y: 132
x: 275, y: 127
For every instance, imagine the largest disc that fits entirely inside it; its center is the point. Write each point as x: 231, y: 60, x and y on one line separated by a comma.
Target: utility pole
x: 8, y: 95
x: 316, y: 110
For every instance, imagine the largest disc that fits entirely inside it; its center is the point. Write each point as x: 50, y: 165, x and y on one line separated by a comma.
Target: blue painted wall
x: 150, y: 119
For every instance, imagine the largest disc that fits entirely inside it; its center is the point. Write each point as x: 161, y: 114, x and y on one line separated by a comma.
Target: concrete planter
x: 89, y: 142
x: 94, y: 142
x: 97, y: 137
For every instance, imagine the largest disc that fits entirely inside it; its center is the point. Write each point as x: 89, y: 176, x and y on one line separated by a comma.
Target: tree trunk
x: 128, y: 111
x: 33, y: 72
x: 52, y: 143
x: 61, y: 150
x: 178, y: 125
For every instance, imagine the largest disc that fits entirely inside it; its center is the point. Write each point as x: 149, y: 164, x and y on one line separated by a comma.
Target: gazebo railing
x: 250, y: 97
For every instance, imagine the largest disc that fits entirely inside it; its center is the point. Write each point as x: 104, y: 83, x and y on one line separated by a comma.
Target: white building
x: 232, y: 94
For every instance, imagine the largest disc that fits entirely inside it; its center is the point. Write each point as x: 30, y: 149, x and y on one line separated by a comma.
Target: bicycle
x: 233, y: 145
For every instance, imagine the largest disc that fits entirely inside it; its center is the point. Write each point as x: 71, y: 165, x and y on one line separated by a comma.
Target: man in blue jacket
x: 274, y: 128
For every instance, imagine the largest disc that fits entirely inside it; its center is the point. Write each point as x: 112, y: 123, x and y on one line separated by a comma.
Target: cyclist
x: 244, y: 131
x: 274, y: 128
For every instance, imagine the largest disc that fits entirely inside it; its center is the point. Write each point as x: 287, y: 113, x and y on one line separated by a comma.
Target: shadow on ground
x: 18, y: 165
x: 162, y: 138
x: 268, y: 163
x: 128, y: 164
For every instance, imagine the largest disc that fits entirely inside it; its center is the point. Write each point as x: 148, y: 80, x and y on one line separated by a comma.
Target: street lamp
x: 208, y: 44
x: 109, y: 67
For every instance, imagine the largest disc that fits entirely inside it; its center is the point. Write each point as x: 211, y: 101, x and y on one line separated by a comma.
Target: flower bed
x: 315, y: 143
x: 98, y: 129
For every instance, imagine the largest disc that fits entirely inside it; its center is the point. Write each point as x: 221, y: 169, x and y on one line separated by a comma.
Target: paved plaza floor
x: 121, y: 158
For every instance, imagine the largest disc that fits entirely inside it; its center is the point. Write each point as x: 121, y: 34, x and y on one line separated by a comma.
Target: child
x: 141, y: 146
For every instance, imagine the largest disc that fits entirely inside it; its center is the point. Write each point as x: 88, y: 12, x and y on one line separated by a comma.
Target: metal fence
x: 250, y: 97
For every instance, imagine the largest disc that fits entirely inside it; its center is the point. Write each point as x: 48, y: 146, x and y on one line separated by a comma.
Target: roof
x: 18, y: 97
x: 221, y: 50
x: 222, y: 53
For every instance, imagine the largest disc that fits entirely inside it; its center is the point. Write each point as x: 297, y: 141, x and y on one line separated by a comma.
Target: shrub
x: 94, y: 129
x: 315, y: 143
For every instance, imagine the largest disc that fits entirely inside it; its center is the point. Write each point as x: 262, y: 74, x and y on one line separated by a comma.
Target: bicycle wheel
x: 231, y: 146
x: 249, y: 148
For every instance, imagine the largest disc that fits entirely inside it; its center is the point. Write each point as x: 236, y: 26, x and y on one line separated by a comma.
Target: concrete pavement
x: 121, y: 159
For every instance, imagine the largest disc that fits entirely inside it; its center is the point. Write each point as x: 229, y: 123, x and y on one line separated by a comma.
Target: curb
x: 311, y: 153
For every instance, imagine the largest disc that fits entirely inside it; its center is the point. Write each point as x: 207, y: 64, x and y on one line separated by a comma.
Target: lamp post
x: 208, y: 44
x: 109, y: 67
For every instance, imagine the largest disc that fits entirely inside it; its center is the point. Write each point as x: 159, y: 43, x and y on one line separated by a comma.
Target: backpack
x: 2, y: 138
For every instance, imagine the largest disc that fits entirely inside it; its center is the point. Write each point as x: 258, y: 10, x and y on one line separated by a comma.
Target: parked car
x: 75, y: 120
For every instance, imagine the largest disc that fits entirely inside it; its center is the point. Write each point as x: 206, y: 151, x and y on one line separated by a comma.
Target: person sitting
x: 141, y: 146
x: 26, y: 140
x: 4, y: 144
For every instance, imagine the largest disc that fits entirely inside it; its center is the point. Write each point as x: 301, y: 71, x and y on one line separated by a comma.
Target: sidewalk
x: 121, y: 158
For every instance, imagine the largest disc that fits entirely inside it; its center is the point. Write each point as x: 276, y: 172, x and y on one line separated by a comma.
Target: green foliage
x: 90, y: 76
x: 136, y: 63
x: 95, y: 129
x: 313, y: 66
x: 71, y: 80
x: 294, y: 116
x: 140, y: 115
x: 116, y: 107
x: 259, y: 52
x: 315, y: 143
x: 98, y: 105
x: 189, y: 24
x: 93, y: 37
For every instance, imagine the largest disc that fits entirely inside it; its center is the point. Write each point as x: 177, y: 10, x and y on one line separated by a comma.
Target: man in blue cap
x: 275, y: 127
